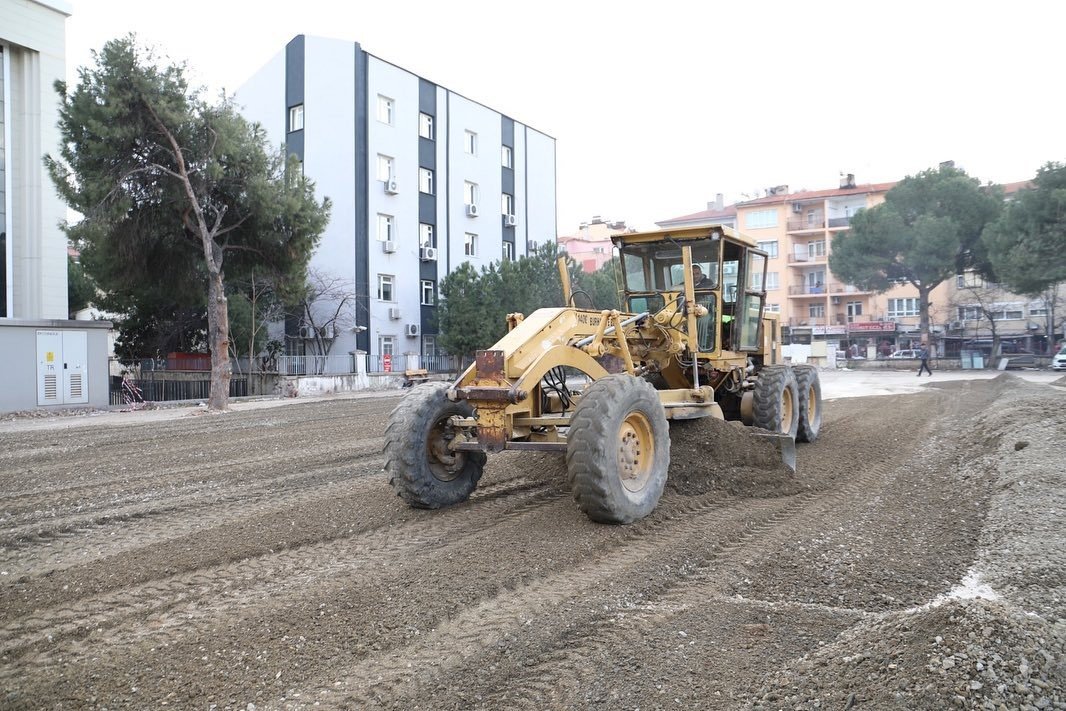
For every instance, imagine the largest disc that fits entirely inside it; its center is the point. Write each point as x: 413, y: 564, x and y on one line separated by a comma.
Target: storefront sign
x: 872, y: 326
x: 829, y: 330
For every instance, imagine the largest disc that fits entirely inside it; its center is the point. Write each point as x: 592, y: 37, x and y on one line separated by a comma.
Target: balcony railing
x: 804, y: 258
x: 805, y: 223
x: 839, y: 222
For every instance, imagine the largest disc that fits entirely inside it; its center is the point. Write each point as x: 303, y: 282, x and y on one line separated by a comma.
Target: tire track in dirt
x: 271, y: 575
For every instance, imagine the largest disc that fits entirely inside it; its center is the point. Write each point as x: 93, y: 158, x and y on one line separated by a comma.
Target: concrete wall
x: 18, y: 358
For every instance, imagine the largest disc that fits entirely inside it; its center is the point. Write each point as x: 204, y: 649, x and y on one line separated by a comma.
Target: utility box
x: 62, y: 359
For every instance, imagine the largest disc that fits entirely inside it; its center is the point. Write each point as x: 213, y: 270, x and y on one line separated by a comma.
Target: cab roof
x: 683, y: 234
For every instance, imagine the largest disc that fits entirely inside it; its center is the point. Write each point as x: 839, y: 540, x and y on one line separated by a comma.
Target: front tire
x: 422, y: 470
x: 810, y: 402
x: 618, y: 450
x: 777, y: 400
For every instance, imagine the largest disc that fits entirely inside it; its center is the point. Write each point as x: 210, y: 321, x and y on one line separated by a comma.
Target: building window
x: 816, y: 311
x: 772, y: 281
x: 429, y: 293
x: 770, y: 248
x: 425, y: 235
x: 385, y: 109
x: 470, y: 193
x: 387, y: 345
x: 385, y: 227
x: 425, y: 126
x: 470, y: 143
x: 816, y: 249
x: 898, y: 308
x: 429, y: 346
x: 384, y: 168
x: 760, y: 219
x: 470, y: 244
x: 1011, y: 312
x: 296, y: 118
x: 969, y: 313
x: 425, y: 181
x: 1038, y: 308
x: 508, y: 252
x: 385, y: 287
x: 507, y: 204
x: 773, y: 308
x: 506, y: 158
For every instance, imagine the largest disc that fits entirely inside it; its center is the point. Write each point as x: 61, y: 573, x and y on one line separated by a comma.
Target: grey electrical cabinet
x: 62, y: 360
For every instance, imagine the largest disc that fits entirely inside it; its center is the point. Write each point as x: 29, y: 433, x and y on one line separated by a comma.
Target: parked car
x: 1059, y: 361
x: 909, y: 354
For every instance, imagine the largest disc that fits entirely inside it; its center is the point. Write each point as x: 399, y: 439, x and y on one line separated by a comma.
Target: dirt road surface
x: 259, y: 560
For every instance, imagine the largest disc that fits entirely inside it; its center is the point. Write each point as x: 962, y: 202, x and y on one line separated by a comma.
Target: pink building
x: 591, y: 247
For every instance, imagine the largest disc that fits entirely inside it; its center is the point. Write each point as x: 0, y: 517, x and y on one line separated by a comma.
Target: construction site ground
x: 258, y: 559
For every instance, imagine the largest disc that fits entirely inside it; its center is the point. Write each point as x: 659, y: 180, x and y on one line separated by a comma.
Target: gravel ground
x: 258, y: 559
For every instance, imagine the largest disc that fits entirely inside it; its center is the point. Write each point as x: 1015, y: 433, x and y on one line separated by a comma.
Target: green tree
x: 461, y: 311
x: 927, y: 230
x: 1027, y: 243
x: 177, y: 194
x: 81, y: 291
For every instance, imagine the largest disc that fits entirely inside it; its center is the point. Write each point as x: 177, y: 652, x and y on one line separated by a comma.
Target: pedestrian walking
x: 924, y: 355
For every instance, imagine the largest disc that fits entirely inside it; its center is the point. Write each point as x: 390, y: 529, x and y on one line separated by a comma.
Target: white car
x: 1059, y: 361
x: 908, y: 354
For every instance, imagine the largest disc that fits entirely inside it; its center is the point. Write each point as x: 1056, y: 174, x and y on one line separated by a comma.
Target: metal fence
x: 125, y: 391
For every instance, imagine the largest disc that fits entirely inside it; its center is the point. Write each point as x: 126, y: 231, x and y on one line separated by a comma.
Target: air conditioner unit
x: 328, y: 331
x: 471, y: 210
x: 429, y: 254
x: 388, y: 246
x: 390, y: 187
x: 307, y: 332
x: 797, y: 208
x: 509, y: 221
x: 836, y: 299
x: 412, y: 329
x: 955, y: 325
x: 395, y: 313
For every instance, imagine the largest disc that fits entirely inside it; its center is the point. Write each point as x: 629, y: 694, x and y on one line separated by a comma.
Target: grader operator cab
x: 601, y: 386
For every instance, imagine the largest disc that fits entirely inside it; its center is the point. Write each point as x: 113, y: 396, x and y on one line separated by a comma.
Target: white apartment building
x: 422, y: 179
x: 33, y: 250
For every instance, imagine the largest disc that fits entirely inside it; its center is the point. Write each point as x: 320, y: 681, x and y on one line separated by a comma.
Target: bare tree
x: 327, y: 308
x: 983, y: 299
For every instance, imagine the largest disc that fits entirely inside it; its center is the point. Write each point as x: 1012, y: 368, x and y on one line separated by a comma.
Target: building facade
x: 592, y: 247
x: 796, y: 230
x: 422, y: 179
x: 33, y: 254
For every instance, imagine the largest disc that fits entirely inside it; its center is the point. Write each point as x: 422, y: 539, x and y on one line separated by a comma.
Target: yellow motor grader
x: 602, y: 385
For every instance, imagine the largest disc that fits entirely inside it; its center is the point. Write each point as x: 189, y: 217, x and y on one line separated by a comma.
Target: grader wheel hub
x: 636, y: 451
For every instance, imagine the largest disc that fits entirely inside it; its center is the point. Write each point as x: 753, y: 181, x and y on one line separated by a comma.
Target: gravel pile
x: 998, y: 641
x: 711, y: 454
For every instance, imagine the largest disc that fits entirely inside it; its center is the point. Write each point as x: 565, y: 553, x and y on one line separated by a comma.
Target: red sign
x: 386, y: 363
x: 872, y: 326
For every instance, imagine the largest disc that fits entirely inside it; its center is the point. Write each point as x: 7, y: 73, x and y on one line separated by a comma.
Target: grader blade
x: 785, y: 445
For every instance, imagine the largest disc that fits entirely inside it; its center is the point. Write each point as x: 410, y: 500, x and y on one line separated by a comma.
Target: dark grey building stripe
x: 507, y: 177
x: 294, y: 92
x: 361, y: 197
x: 427, y: 204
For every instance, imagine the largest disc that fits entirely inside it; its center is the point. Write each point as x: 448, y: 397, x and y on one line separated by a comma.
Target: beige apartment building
x: 796, y: 229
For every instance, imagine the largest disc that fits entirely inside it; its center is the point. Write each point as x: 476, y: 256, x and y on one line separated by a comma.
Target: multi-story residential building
x: 796, y: 230
x: 422, y: 179
x: 33, y: 249
x: 591, y: 247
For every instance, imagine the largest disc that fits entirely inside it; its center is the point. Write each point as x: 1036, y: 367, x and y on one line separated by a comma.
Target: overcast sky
x: 658, y: 106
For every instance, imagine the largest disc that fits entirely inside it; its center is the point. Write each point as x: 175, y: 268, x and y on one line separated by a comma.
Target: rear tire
x: 421, y: 469
x: 776, y: 400
x: 618, y: 450
x: 810, y: 402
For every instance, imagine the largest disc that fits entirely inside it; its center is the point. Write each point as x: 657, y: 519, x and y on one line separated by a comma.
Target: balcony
x: 802, y: 258
x: 833, y: 288
x: 838, y: 222
x: 804, y: 224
